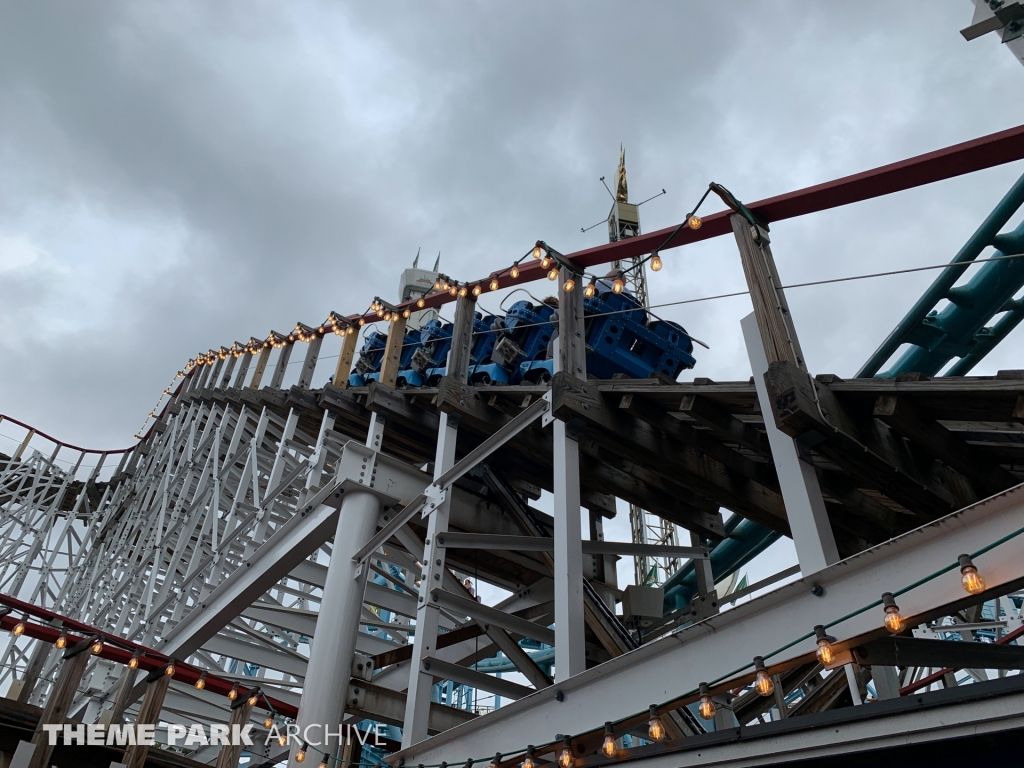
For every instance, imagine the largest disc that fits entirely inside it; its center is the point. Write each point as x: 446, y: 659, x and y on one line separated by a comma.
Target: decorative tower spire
x: 621, y: 188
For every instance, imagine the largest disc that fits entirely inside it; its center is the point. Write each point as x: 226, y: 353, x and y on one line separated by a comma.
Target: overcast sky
x: 176, y: 176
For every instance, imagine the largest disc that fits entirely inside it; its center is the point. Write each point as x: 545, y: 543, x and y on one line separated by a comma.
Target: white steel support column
x: 570, y: 358
x: 805, y: 508
x: 334, y: 644
x: 417, y: 701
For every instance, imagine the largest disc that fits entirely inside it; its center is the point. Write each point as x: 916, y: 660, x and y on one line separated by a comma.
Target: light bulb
x: 169, y: 670
x: 361, y: 322
x: 97, y: 647
x: 452, y: 291
x: 824, y: 652
x: 406, y: 313
x: 706, y: 707
x: 282, y: 740
x: 477, y: 290
x: 324, y: 759
x: 655, y: 728
x: 590, y: 290
x: 463, y: 291
x: 565, y: 758
x: 608, y: 745
x: 19, y: 629
x: 545, y: 262
x: 553, y: 274
x: 61, y: 642
x: 496, y: 761
x: 351, y: 328
x: 268, y: 722
x: 514, y: 272
x: 656, y: 264
x: 618, y: 285
x: 437, y: 285
x: 420, y: 303
x: 528, y: 761
x: 253, y: 699
x: 201, y: 682
x: 893, y: 621
x: 969, y: 576
x: 300, y: 756
x: 693, y: 221
x: 494, y: 284
x: 133, y: 662
x: 763, y: 682
x: 539, y: 252
x: 233, y: 693
x: 568, y: 285
x: 321, y: 329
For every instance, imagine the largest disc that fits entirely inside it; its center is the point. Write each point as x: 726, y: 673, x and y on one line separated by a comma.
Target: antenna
x: 663, y: 192
x: 416, y: 261
x: 609, y: 191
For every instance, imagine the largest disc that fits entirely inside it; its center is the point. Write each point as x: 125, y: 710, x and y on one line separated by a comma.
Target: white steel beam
x: 716, y: 647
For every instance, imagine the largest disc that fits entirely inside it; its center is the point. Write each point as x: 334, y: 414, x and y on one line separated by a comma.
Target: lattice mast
x: 623, y: 222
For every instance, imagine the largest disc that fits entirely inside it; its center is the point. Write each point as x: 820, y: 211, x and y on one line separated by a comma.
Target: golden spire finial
x: 621, y: 189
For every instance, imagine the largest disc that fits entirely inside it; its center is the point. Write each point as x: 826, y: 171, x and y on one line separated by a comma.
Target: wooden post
x: 282, y: 366
x: 261, y: 366
x: 40, y: 653
x: 344, y: 366
x: 124, y: 695
x: 230, y: 753
x: 149, y: 714
x: 71, y: 670
x: 24, y: 445
x: 458, y: 363
x: 243, y: 368
x: 309, y: 363
x: 572, y: 344
x: 393, y: 352
x: 771, y: 309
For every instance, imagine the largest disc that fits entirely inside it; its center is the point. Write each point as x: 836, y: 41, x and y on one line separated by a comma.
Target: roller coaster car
x: 521, y: 337
x: 371, y: 356
x: 623, y: 339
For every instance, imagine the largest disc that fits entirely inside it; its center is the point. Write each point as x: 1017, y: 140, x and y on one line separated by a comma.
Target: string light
x: 254, y: 698
x: 545, y: 262
x: 591, y: 288
x: 133, y: 662
x: 233, y: 693
x: 514, y: 272
x: 438, y: 285
x: 201, y: 682
x: 494, y: 284
x: 477, y: 290
x: 406, y: 313
x: 170, y: 669
x: 565, y: 758
x: 268, y: 722
x: 706, y: 707
x: 282, y: 740
x: 568, y: 285
x: 452, y: 290
x: 19, y: 629
x: 763, y: 682
x: 893, y: 621
x: 655, y: 728
x: 97, y: 647
x: 528, y: 760
x: 656, y: 264
x: 608, y: 745
x: 553, y: 274
x: 539, y: 252
x: 300, y: 756
x: 496, y: 761
x: 969, y: 576
x: 362, y: 322
x: 824, y: 652
x: 618, y: 285
x: 693, y: 221
x: 463, y: 291
x: 61, y: 642
x: 324, y: 759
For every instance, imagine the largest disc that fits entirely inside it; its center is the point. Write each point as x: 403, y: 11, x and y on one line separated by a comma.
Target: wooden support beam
x: 230, y: 753
x: 392, y: 361
x: 309, y: 362
x: 723, y: 424
x: 457, y: 367
x: 149, y: 714
x: 56, y: 710
x: 932, y: 438
x: 344, y: 365
x: 280, y: 368
x: 639, y: 441
x: 261, y: 366
x: 867, y: 449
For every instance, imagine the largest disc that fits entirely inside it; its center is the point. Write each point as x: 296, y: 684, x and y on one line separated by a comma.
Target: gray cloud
x: 199, y: 173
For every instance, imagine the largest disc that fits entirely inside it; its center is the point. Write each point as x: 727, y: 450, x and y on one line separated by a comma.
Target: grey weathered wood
x: 309, y: 362
x: 56, y: 710
x: 149, y: 714
x: 344, y: 366
x: 261, y: 366
x: 393, y: 352
x: 462, y: 338
x: 281, y: 368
